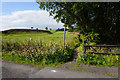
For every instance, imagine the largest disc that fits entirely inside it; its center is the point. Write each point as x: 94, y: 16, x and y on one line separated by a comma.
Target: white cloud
x: 26, y: 19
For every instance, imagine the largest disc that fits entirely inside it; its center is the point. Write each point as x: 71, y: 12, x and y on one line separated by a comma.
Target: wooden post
x: 84, y: 49
x: 65, y: 25
x: 64, y: 41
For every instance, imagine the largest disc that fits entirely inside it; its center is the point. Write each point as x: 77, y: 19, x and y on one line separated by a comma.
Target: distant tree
x: 36, y: 28
x: 50, y: 28
x: 31, y: 27
x: 46, y: 28
x: 71, y: 29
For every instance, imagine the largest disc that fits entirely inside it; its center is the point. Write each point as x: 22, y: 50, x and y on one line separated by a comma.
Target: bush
x: 94, y: 59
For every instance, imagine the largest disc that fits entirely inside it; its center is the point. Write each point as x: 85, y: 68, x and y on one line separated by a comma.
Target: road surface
x: 16, y: 70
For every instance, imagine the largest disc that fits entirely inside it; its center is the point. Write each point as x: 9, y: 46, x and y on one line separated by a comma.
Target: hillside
x: 14, y: 31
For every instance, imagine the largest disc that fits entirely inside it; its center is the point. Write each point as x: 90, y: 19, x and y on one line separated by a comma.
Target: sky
x: 26, y: 15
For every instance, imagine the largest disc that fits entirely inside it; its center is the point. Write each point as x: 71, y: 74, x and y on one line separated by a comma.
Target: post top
x: 65, y: 25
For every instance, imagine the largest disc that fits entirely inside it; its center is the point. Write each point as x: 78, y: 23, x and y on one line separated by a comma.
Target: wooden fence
x: 105, y: 46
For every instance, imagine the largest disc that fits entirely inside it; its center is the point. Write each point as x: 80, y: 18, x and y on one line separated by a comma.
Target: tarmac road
x: 16, y: 70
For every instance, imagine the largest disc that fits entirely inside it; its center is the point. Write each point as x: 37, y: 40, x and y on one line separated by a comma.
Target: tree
x: 71, y: 29
x: 102, y: 18
x: 31, y: 27
x: 46, y: 28
x: 36, y: 28
x: 50, y: 28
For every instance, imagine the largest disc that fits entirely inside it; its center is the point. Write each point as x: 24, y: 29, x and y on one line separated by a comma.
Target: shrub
x: 94, y: 59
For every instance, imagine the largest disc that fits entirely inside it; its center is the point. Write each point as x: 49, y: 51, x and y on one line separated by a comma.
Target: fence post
x: 65, y: 25
x: 84, y: 48
x: 64, y: 41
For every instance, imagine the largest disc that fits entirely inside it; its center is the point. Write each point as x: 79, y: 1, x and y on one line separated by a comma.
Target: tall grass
x: 40, y: 51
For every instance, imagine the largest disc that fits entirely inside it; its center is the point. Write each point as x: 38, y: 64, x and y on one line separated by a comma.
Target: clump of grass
x: 74, y: 68
x: 92, y: 59
x: 108, y: 74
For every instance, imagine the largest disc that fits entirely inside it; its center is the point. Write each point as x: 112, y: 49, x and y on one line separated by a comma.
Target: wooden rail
x: 88, y: 46
x: 101, y: 45
x: 105, y: 53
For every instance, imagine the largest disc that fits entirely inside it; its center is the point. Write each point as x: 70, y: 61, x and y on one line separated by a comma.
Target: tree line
x: 45, y: 28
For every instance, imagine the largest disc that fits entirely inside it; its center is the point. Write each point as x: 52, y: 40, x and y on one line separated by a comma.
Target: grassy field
x: 37, y: 47
x: 23, y: 36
